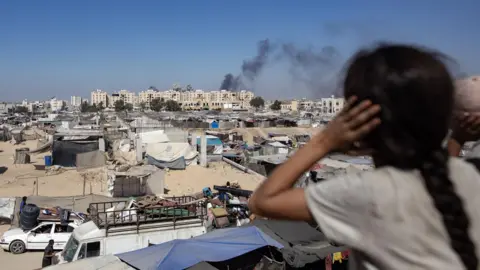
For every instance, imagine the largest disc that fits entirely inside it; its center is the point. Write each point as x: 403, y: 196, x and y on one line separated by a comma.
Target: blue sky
x: 61, y: 48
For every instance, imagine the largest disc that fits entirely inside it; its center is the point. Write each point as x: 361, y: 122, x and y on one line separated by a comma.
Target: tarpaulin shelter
x: 64, y: 153
x: 214, y: 144
x: 170, y: 155
x: 216, y: 246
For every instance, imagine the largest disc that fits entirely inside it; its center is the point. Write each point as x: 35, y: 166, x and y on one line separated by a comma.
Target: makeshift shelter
x: 156, y: 136
x: 214, y: 124
x: 64, y: 153
x: 216, y: 246
x: 214, y: 144
x: 170, y: 155
x: 304, y: 246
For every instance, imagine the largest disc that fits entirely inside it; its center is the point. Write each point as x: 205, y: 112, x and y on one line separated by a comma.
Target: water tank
x: 28, y: 217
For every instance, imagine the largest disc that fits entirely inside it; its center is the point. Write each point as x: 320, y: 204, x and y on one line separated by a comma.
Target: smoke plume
x: 315, y: 69
x: 231, y: 82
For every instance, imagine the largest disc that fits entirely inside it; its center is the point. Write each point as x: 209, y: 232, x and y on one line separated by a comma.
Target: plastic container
x: 48, y: 161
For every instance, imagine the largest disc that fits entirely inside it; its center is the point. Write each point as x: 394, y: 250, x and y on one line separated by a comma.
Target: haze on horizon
x: 64, y: 48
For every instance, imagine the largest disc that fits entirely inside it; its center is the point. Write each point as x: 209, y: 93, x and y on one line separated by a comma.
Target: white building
x: 56, y: 104
x: 125, y: 95
x: 196, y: 99
x: 99, y: 96
x: 147, y: 96
x: 331, y: 106
x: 76, y: 101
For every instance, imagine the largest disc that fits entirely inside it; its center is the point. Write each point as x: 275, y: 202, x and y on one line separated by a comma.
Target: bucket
x: 48, y: 161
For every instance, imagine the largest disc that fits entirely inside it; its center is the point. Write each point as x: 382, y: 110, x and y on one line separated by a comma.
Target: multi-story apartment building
x: 147, y: 96
x: 196, y: 99
x: 76, y: 101
x: 331, y: 106
x: 99, y: 96
x: 56, y: 104
x: 125, y: 95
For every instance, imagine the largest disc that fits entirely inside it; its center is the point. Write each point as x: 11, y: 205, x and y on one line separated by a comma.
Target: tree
x: 93, y: 108
x: 100, y: 106
x: 276, y: 106
x: 128, y: 107
x: 64, y: 106
x: 189, y: 88
x: 172, y: 106
x: 157, y: 104
x: 84, y: 107
x: 257, y: 102
x: 143, y: 106
x: 119, y: 105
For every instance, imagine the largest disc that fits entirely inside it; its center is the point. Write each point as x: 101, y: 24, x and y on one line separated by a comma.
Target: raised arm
x: 275, y: 198
x: 466, y: 128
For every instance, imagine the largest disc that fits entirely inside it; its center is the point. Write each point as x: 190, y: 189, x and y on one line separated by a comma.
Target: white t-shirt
x: 475, y: 151
x: 388, y: 218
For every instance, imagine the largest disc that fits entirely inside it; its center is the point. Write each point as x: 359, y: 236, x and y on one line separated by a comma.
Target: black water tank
x: 28, y: 217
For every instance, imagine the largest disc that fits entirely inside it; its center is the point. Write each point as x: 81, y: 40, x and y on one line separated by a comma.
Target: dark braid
x: 436, y: 174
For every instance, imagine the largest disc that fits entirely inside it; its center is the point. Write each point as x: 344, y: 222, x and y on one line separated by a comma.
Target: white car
x: 18, y: 241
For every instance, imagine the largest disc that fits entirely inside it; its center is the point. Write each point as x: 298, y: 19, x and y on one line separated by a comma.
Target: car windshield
x: 70, y: 249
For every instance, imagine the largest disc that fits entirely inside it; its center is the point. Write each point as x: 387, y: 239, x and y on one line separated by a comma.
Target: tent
x: 213, y: 142
x: 216, y: 246
x: 170, y: 155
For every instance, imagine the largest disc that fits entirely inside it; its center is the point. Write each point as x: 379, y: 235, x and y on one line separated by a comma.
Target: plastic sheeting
x: 7, y: 209
x: 216, y: 246
x: 157, y: 136
x: 211, y: 140
x: 65, y: 152
x: 168, y: 152
x: 178, y: 164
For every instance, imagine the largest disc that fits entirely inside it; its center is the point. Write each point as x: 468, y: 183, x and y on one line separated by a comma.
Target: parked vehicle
x: 114, y: 230
x: 17, y: 240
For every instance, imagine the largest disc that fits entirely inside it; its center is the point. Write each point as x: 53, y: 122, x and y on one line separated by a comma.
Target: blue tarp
x: 216, y: 246
x: 214, y: 124
x: 211, y: 140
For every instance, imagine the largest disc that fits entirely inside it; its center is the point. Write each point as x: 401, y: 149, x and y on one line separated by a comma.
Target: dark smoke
x: 231, y: 82
x: 252, y: 68
x: 316, y: 69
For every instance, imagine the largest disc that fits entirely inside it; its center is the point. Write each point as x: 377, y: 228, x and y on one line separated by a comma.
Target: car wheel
x: 17, y: 247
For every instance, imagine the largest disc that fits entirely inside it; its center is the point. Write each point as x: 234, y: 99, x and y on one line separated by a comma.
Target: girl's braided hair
x: 416, y: 92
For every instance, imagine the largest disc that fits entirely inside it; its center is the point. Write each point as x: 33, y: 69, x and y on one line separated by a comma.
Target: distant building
x: 56, y: 104
x: 195, y: 100
x: 147, y: 96
x: 76, y: 101
x: 331, y: 106
x: 6, y: 107
x: 125, y: 95
x: 98, y: 96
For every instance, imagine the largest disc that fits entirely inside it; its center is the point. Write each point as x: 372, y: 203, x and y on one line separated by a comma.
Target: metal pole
x: 84, y: 182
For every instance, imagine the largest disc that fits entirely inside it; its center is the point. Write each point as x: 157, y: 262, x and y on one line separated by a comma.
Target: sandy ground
x: 19, y: 179
x: 25, y: 261
x: 195, y: 178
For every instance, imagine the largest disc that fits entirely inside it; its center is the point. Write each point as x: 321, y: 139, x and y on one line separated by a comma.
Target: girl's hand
x: 466, y: 128
x: 350, y: 125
